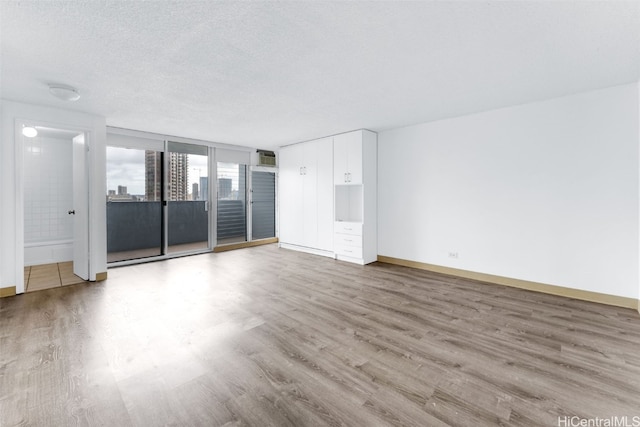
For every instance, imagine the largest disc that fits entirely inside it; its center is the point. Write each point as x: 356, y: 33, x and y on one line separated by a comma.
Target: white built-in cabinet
x: 305, y: 194
x: 327, y: 196
x: 347, y: 158
x: 355, y: 192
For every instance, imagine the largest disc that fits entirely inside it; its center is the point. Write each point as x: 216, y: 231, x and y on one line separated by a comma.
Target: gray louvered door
x: 263, y: 217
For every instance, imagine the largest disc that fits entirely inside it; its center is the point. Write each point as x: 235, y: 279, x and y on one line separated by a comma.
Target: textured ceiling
x: 270, y: 73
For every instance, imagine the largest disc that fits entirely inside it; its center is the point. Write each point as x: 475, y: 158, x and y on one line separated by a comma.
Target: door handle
x: 73, y: 212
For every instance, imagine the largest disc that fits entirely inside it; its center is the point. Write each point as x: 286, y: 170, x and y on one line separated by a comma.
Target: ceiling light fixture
x: 64, y: 92
x: 29, y: 131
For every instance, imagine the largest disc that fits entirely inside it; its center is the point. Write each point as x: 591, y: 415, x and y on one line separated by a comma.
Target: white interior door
x: 80, y: 208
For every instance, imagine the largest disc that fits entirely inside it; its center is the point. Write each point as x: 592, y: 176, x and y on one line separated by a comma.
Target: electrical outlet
x: 453, y: 255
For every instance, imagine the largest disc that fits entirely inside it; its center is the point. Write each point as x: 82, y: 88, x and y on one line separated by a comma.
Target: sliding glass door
x: 187, y: 198
x: 157, y: 201
x: 134, y: 204
x: 232, y: 206
x: 161, y: 203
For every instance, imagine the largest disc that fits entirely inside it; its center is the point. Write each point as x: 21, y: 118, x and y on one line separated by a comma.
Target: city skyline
x: 126, y: 167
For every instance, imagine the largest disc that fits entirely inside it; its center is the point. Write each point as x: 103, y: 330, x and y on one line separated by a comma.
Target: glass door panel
x: 187, y: 198
x: 134, y: 207
x: 232, y: 206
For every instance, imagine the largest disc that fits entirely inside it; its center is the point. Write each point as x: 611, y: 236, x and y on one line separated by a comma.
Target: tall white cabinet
x: 355, y: 195
x: 305, y: 194
x: 327, y: 196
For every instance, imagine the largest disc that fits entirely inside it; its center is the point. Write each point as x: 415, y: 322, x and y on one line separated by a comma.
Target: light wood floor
x: 270, y: 337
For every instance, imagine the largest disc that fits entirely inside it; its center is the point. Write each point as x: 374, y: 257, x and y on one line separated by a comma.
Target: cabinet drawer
x: 350, y: 251
x: 347, y: 240
x: 353, y: 228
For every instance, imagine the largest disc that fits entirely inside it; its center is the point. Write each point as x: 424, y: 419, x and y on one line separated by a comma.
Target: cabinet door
x: 324, y: 156
x: 289, y: 195
x: 340, y: 168
x: 354, y: 158
x: 308, y: 197
x: 347, y: 158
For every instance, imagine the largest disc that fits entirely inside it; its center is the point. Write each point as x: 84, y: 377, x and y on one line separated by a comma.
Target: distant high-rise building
x: 224, y: 188
x: 112, y: 192
x: 178, y: 176
x: 194, y: 191
x: 204, y: 188
x: 122, y: 190
x: 152, y: 176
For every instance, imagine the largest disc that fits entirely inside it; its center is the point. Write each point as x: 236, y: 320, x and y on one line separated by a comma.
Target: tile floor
x: 47, y: 276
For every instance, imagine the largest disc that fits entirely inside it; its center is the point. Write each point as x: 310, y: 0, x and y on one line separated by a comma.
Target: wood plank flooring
x: 270, y: 337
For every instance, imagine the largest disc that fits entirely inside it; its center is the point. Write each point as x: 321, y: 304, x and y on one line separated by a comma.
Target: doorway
x: 54, y: 208
x: 263, y: 204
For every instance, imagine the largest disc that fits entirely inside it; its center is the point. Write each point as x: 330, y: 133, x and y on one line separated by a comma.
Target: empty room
x: 319, y: 213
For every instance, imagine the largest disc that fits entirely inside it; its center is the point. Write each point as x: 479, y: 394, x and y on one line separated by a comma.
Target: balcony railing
x: 136, y: 227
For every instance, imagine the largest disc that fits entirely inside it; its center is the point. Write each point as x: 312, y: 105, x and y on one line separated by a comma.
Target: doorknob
x: 73, y: 212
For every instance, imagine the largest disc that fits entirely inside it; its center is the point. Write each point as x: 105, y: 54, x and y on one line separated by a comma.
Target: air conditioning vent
x: 266, y: 158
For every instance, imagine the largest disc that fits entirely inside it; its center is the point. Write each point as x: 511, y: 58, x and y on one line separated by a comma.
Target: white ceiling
x: 269, y: 73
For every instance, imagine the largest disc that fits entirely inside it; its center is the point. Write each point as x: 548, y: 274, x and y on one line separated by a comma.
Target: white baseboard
x: 313, y: 251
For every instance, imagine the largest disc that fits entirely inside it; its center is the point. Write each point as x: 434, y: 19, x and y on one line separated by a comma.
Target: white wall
x: 48, y: 189
x: 11, y: 252
x: 546, y: 192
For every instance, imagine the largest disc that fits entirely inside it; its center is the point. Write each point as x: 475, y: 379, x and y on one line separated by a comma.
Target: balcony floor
x: 150, y: 252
